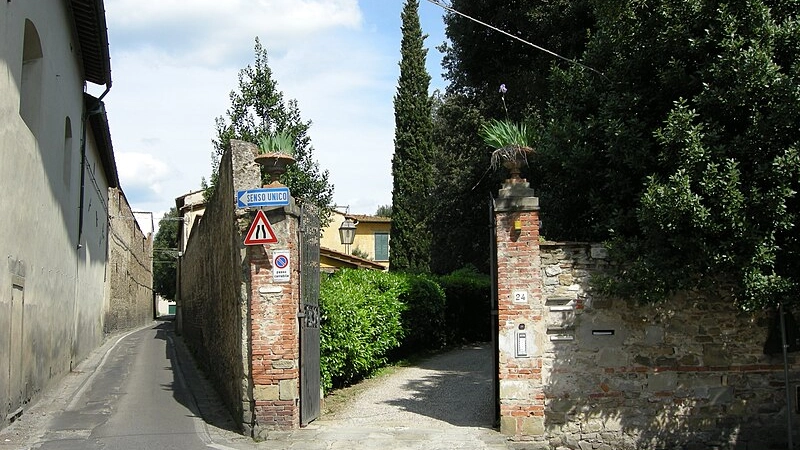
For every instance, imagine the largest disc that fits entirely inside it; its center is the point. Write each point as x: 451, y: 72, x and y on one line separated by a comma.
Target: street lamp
x: 347, y: 233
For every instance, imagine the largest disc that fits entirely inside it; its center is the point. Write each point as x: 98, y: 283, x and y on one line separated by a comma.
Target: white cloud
x: 174, y: 63
x: 141, y: 175
x: 214, y: 32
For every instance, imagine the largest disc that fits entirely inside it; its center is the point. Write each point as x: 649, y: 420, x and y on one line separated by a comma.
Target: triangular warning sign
x: 260, y: 231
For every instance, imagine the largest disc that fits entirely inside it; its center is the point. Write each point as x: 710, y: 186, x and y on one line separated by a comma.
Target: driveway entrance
x: 444, y: 402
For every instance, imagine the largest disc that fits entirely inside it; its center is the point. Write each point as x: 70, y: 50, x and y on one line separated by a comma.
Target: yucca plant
x: 511, y: 141
x: 279, y: 142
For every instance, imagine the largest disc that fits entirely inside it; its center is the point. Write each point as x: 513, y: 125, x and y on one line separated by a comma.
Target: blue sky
x: 174, y: 63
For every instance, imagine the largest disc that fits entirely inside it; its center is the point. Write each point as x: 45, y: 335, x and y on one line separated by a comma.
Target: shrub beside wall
x: 423, y: 316
x: 360, y: 324
x: 468, y: 305
x: 369, y: 317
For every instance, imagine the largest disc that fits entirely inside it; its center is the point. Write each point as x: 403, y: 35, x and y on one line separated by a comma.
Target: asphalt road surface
x: 135, y: 399
x: 132, y: 394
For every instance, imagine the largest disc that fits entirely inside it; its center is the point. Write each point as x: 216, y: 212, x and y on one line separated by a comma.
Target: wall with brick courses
x: 129, y: 269
x: 212, y: 294
x: 242, y: 324
x: 518, y: 272
x: 274, y: 329
x: 689, y: 373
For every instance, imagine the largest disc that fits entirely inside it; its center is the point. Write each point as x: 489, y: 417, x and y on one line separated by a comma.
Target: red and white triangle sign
x: 260, y: 231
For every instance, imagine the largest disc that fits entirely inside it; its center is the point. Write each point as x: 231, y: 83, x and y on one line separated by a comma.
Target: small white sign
x: 281, y: 266
x: 520, y: 296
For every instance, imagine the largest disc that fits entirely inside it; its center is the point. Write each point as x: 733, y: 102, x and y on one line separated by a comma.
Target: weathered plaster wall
x: 130, y: 268
x: 52, y: 283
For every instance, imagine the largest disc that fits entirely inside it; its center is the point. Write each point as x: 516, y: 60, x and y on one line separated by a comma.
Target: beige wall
x: 52, y: 282
x: 365, y: 234
x: 193, y: 206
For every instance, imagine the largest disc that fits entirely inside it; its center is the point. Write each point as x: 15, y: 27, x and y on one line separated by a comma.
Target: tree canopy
x: 412, y: 162
x: 258, y: 109
x: 682, y: 156
x: 165, y: 254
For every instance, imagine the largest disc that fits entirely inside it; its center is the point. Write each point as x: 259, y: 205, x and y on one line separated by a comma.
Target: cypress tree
x: 412, y: 163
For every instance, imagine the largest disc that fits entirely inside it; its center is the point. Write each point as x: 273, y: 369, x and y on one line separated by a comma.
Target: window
x: 381, y: 246
x: 30, y: 88
x: 67, y: 168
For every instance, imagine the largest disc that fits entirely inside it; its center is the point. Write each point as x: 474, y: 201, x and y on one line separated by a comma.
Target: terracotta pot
x: 274, y: 164
x: 513, y: 158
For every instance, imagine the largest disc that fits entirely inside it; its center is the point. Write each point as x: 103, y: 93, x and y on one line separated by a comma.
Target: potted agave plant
x: 512, y: 143
x: 275, y: 154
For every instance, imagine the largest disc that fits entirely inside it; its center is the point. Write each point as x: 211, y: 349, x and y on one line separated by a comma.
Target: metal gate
x: 495, y: 323
x: 309, y: 315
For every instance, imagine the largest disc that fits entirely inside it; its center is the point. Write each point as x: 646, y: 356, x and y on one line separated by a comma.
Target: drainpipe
x: 90, y: 111
x: 84, y: 117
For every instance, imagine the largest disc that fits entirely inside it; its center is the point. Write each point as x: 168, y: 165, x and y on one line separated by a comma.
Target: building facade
x: 58, y: 166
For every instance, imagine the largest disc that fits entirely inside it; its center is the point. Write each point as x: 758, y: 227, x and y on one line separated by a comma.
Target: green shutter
x: 381, y: 246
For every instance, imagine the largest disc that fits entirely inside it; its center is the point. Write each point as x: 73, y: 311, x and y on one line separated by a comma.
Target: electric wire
x: 449, y: 8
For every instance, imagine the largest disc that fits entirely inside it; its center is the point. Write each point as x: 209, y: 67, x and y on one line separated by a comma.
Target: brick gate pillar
x: 519, y: 283
x: 273, y: 328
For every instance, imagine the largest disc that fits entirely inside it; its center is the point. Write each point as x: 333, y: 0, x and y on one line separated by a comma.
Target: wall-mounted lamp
x: 517, y: 225
x: 347, y: 233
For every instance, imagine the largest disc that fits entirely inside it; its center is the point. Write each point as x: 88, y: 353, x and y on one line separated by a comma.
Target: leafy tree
x: 413, y: 152
x: 165, y: 252
x: 258, y: 109
x: 477, y: 61
x: 460, y: 218
x: 384, y: 211
x: 683, y: 155
x: 685, y: 158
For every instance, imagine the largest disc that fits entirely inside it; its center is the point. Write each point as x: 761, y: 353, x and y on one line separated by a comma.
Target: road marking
x: 87, y: 382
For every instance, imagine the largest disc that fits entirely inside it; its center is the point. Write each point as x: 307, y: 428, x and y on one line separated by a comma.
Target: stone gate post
x: 269, y: 310
x: 273, y: 327
x: 519, y: 284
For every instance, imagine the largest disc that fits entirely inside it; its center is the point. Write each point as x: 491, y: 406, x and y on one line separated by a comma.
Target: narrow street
x: 128, y: 395
x: 141, y: 390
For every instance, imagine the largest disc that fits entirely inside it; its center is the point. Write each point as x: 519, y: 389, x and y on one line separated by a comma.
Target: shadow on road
x: 454, y: 387
x: 189, y: 386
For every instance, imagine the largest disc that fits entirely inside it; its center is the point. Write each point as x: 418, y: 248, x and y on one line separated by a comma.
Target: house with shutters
x: 370, y: 247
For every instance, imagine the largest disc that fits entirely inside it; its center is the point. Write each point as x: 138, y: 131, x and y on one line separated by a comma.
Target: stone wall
x: 211, y: 296
x: 240, y: 323
x: 602, y: 373
x: 129, y: 269
x: 691, y: 371
x: 688, y: 373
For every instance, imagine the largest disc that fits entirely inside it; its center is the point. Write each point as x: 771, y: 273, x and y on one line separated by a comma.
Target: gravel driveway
x: 442, y: 402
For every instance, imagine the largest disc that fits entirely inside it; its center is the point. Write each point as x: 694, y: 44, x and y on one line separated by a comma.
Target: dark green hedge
x: 423, y: 317
x: 468, y: 308
x: 360, y: 323
x: 368, y: 316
